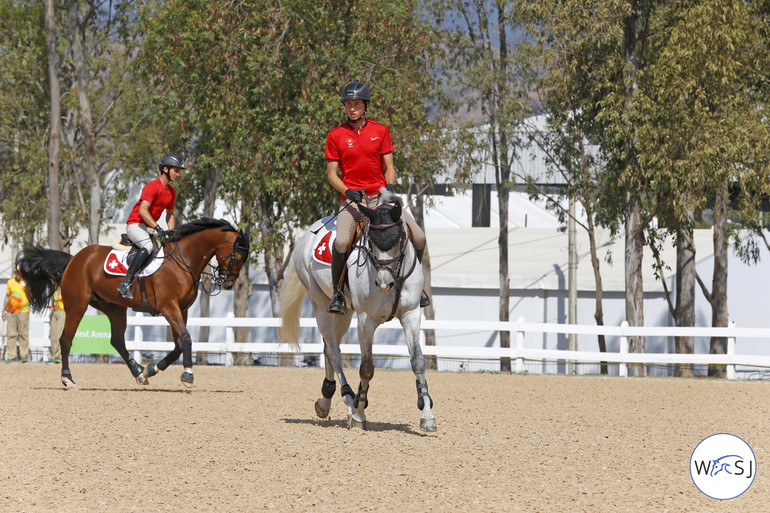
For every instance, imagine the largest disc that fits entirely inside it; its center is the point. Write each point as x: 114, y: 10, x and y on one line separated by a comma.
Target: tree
x: 261, y: 90
x: 54, y: 217
x: 23, y: 121
x: 479, y: 39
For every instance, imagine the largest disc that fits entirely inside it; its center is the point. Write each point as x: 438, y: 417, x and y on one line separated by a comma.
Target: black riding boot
x: 125, y: 286
x: 337, y: 304
x: 424, y: 299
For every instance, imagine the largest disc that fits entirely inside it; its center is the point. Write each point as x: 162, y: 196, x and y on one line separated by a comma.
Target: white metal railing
x: 517, y: 353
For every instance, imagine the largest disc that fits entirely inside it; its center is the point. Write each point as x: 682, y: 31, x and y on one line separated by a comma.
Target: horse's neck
x: 197, y: 249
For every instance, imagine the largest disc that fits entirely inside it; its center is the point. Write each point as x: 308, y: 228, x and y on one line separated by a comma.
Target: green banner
x: 93, y: 336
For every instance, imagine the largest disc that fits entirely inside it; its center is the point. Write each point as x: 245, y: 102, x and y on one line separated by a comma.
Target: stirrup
x: 337, y: 304
x: 125, y: 289
x: 424, y: 300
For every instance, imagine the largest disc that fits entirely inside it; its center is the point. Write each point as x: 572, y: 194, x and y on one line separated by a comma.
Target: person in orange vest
x: 16, y: 318
x: 57, y: 326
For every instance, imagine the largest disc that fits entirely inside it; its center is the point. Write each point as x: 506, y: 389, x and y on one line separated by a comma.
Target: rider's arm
x: 332, y: 167
x: 390, y: 169
x: 170, y: 219
x: 144, y: 213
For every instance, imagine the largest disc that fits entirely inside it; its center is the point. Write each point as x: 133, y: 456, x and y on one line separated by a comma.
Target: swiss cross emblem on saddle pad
x: 325, y: 231
x: 117, y: 263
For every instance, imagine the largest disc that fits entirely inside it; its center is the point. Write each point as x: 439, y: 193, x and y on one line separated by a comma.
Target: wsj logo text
x: 723, y: 466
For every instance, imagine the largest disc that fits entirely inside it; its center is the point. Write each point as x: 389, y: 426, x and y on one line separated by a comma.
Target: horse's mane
x: 197, y: 225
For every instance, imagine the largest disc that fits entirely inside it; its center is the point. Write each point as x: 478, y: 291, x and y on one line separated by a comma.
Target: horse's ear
x: 395, y: 212
x: 368, y: 212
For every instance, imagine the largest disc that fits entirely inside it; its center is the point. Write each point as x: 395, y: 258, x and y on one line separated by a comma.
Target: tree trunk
x: 241, y: 309
x: 633, y: 270
x: 719, y: 314
x: 503, y: 174
x: 81, y: 73
x: 633, y: 204
x: 685, y: 297
x: 209, y: 204
x: 54, y: 143
x: 599, y: 312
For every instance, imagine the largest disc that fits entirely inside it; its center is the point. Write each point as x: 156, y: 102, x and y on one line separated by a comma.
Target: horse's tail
x: 292, y: 295
x: 42, y: 269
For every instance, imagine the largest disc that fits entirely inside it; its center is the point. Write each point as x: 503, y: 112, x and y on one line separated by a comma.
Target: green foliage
x: 256, y: 88
x: 23, y: 119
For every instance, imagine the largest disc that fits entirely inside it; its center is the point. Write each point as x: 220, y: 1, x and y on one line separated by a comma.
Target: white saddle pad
x: 115, y: 263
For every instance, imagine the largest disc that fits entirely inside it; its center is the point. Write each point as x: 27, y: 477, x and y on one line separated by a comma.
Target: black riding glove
x: 391, y: 188
x: 159, y: 232
x: 355, y: 195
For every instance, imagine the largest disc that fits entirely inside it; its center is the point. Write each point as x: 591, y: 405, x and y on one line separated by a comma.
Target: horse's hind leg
x: 324, y: 403
x: 333, y: 366
x: 117, y: 316
x: 366, y: 370
x: 71, y: 322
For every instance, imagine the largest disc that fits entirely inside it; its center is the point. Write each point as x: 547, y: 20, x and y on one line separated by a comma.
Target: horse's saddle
x: 119, y: 258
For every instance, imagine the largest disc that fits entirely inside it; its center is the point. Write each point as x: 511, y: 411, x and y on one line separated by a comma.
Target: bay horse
x: 170, y: 291
x: 384, y: 281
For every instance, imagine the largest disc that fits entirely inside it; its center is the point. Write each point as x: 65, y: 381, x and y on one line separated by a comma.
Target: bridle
x: 238, y: 255
x: 220, y: 275
x: 394, y: 266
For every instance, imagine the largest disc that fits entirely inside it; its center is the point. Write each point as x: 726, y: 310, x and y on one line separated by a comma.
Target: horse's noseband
x: 237, y: 256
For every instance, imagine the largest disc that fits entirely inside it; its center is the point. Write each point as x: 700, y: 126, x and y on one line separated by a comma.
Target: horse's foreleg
x: 410, y: 321
x: 182, y: 344
x: 365, y: 372
x: 187, y: 361
x: 153, y: 369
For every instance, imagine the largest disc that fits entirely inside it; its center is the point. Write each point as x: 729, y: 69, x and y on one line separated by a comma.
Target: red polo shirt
x: 359, y: 154
x: 159, y: 197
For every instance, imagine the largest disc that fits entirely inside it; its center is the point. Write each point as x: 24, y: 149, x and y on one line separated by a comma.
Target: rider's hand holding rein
x: 160, y: 233
x: 355, y: 195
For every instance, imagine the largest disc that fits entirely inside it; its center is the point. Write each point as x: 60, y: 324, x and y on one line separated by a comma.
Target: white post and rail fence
x: 517, y: 354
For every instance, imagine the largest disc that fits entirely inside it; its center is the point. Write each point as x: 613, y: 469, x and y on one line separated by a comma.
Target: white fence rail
x: 517, y: 353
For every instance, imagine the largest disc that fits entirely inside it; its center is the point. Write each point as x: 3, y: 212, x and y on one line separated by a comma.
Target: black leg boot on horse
x: 424, y: 299
x: 125, y: 286
x: 337, y: 304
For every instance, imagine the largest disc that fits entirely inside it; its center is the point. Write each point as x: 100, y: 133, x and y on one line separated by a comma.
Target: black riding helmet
x: 355, y: 91
x: 171, y: 160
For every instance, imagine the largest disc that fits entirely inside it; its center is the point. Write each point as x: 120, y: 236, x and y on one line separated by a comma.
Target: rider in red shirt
x: 157, y: 196
x: 359, y: 161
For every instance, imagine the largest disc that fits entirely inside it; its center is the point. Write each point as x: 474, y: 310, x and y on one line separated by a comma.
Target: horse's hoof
x: 187, y: 379
x: 350, y: 420
x: 360, y: 424
x: 428, y: 424
x: 320, y: 410
x: 68, y: 383
x: 142, y: 380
